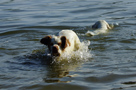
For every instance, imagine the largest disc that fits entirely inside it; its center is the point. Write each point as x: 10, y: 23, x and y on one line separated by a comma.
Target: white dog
x: 65, y: 42
x: 100, y: 27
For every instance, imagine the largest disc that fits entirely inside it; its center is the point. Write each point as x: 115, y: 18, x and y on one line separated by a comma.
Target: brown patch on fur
x: 59, y: 44
x: 64, y: 42
x: 68, y: 42
x: 46, y: 40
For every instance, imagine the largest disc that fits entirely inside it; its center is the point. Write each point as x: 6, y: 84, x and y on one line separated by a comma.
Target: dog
x: 100, y: 27
x: 65, y: 42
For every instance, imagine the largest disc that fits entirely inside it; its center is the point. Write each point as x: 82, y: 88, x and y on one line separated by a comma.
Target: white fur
x: 73, y: 39
x: 72, y: 42
x: 100, y: 27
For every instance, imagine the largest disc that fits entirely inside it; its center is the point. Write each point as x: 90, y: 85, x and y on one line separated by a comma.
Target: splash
x: 81, y: 55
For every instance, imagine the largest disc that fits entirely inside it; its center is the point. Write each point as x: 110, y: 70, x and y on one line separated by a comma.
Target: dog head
x: 56, y: 44
x: 102, y: 24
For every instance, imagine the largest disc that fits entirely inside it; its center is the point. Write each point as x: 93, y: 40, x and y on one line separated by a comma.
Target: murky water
x: 109, y: 63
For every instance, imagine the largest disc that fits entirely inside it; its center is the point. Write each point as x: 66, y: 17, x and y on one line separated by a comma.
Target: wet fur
x: 65, y: 42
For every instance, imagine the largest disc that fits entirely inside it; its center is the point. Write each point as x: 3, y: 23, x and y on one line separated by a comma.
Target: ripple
x: 15, y: 32
x: 107, y: 62
x: 48, y: 27
x: 130, y: 82
x: 108, y: 78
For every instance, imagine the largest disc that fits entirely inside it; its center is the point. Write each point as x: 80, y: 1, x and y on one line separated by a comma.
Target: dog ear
x: 63, y: 42
x: 46, y: 40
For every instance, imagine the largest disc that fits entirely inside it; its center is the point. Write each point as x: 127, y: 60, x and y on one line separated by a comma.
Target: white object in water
x: 100, y: 27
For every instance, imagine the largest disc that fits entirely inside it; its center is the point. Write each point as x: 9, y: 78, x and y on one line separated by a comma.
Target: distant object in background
x: 100, y: 27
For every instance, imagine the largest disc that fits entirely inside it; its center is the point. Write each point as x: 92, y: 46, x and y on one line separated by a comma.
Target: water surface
x: 109, y: 63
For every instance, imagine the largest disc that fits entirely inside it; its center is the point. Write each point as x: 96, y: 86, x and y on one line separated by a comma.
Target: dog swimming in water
x: 65, y: 41
x: 99, y: 27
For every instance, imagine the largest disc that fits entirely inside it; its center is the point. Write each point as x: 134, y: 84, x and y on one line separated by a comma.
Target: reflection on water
x: 56, y: 70
x: 60, y: 67
x: 106, y: 60
x: 59, y: 71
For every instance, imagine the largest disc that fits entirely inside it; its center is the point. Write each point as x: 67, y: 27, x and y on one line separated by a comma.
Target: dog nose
x: 55, y: 49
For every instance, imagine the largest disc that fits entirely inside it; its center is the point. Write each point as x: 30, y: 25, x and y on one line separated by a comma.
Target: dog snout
x: 55, y: 50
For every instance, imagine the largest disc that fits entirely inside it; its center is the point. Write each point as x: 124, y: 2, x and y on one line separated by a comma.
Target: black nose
x: 55, y: 49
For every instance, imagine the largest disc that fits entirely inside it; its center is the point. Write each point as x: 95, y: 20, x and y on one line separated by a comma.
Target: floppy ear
x: 46, y: 40
x: 64, y: 42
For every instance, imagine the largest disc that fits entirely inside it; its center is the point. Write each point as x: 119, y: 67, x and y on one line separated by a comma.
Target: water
x: 109, y: 63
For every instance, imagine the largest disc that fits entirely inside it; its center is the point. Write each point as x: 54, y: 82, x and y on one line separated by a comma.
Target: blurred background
x: 23, y: 23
